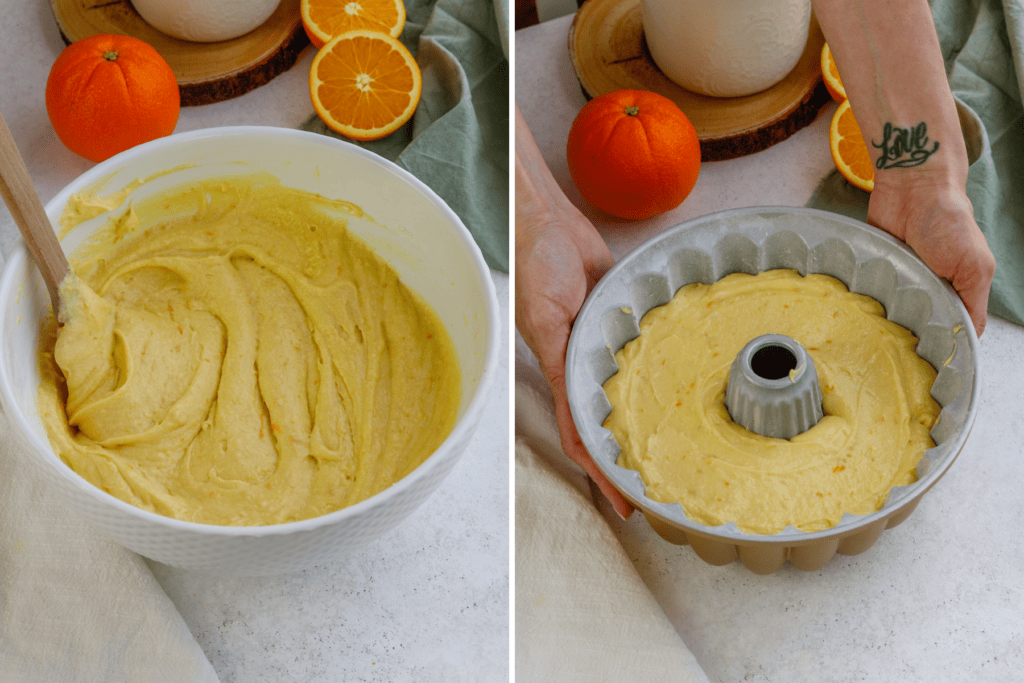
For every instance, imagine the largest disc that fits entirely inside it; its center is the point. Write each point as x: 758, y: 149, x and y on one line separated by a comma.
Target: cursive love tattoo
x: 904, y: 147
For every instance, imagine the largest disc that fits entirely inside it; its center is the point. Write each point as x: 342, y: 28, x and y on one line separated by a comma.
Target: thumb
x: 974, y: 291
x: 972, y: 279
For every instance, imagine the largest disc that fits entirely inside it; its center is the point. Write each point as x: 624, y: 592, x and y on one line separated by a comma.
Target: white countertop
x: 427, y: 602
x: 935, y: 599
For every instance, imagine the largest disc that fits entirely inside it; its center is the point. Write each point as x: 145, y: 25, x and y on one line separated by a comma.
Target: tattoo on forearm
x: 904, y: 147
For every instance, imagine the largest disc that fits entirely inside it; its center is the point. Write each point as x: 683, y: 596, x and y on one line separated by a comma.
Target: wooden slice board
x: 608, y: 52
x: 206, y: 72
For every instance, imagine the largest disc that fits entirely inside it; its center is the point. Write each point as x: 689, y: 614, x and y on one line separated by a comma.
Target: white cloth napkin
x: 582, y: 611
x: 74, y: 605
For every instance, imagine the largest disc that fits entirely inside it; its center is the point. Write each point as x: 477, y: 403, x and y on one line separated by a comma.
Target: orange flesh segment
x: 365, y: 84
x: 326, y: 19
x: 849, y: 152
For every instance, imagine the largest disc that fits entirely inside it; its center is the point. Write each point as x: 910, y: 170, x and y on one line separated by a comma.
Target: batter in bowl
x: 233, y: 355
x: 671, y: 423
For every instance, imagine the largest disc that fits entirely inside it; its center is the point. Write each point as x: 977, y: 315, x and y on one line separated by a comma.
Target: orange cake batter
x: 233, y: 355
x: 670, y: 420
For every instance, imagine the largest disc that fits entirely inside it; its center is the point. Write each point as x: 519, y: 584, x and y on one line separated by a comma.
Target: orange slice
x: 831, y: 75
x: 325, y: 19
x: 849, y: 152
x: 364, y: 84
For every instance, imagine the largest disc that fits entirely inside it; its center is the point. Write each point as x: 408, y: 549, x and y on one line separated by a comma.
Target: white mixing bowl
x: 414, y: 230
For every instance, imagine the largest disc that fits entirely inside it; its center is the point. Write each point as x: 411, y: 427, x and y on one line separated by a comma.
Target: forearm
x: 539, y: 198
x: 892, y: 68
x: 893, y: 72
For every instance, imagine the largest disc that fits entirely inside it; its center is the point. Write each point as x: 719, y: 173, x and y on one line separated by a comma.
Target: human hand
x: 559, y: 259
x: 935, y: 218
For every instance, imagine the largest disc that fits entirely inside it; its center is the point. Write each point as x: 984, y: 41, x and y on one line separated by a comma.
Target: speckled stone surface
x: 935, y: 599
x: 427, y: 602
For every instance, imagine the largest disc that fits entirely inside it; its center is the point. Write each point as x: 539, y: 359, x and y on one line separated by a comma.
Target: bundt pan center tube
x: 868, y: 261
x: 773, y: 388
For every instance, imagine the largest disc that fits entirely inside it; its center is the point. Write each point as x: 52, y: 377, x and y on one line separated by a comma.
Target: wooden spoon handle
x: 27, y: 209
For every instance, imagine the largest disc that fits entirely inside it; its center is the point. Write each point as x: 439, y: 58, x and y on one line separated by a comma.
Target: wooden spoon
x: 23, y: 201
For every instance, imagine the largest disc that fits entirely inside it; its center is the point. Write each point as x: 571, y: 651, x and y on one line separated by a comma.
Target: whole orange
x: 633, y: 153
x: 107, y: 93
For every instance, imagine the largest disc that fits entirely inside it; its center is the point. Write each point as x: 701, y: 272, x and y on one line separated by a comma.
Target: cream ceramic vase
x: 726, y: 48
x: 205, y: 21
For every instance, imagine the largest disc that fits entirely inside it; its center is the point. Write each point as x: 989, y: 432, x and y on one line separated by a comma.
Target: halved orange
x: 364, y: 84
x: 830, y: 74
x: 849, y: 151
x: 325, y: 19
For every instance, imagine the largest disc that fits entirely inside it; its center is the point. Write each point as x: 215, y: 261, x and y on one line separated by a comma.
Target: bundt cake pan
x: 869, y: 261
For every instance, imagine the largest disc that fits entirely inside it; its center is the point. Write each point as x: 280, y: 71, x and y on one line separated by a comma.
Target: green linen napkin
x: 457, y: 142
x: 983, y: 45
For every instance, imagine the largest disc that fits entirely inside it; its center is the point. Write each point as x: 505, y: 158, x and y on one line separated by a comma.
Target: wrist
x: 909, y: 205
x: 911, y: 145
x: 934, y: 180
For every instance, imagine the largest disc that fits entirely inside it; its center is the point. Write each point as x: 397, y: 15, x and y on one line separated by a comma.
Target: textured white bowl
x: 726, y: 48
x: 205, y: 21
x: 415, y: 231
